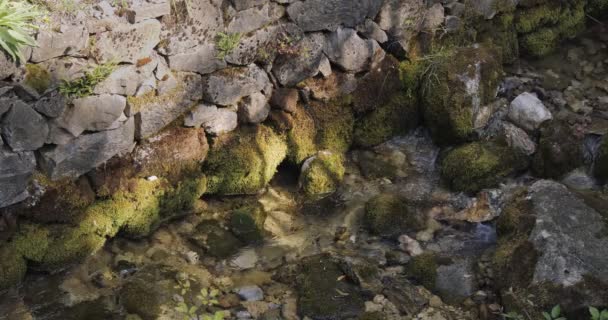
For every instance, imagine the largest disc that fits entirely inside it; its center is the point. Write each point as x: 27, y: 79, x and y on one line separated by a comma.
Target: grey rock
x: 434, y: 17
x: 51, y: 105
x: 254, y: 108
x: 517, y: 139
x: 372, y: 30
x: 23, y: 129
x: 262, y: 43
x: 246, y: 4
x: 228, y: 86
x: 317, y: 15
x: 86, y: 152
x: 58, y: 135
x: 579, y: 179
x: 5, y: 105
x: 128, y: 43
x: 158, y: 113
x: 202, y: 59
x: 456, y: 282
x: 70, y: 40
x: 15, y: 172
x: 148, y: 10
x: 290, y: 69
x: 93, y: 113
x: 402, y: 21
x: 7, y: 66
x: 452, y: 23
x: 528, y: 112
x: 214, y: 120
x: 566, y: 254
x: 253, y: 18
x: 251, y: 293
x: 345, y: 48
x: 146, y: 87
x: 125, y: 79
x: 489, y: 8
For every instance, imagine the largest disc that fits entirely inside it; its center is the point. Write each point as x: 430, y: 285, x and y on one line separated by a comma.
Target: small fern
x: 16, y: 19
x: 85, y: 85
x: 226, y: 43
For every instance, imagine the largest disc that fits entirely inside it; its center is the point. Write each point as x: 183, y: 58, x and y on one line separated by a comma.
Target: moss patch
x: 244, y: 161
x: 559, y: 150
x: 12, y: 266
x: 334, y: 122
x: 388, y: 215
x: 37, y: 77
x: 247, y: 224
x: 301, y: 138
x: 322, y: 174
x: 423, y: 269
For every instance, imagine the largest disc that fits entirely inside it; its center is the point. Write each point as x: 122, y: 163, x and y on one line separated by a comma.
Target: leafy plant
x: 226, y: 43
x: 85, y: 85
x: 513, y: 315
x: 16, y: 19
x: 195, y: 310
x: 555, y: 314
x: 596, y: 314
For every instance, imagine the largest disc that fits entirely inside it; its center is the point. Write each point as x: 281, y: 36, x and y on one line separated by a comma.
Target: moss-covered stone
x: 479, y: 165
x: 423, y: 269
x: 301, y: 137
x: 456, y: 84
x: 387, y: 215
x: 334, y: 121
x: 215, y: 239
x: 600, y: 167
x: 244, y: 161
x: 383, y: 162
x: 396, y: 117
x: 322, y: 174
x: 324, y: 292
x: 560, y: 150
x: 12, y: 266
x: 37, y: 77
x: 544, y: 26
x: 247, y: 224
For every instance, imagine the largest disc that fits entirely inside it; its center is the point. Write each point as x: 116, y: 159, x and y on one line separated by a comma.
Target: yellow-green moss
x: 247, y: 224
x: 423, y: 268
x: 396, y: 117
x: 183, y: 197
x: 37, y: 77
x: 334, y: 122
x: 322, y: 174
x: 301, y: 138
x: 244, y: 161
x: 12, y: 266
x: 32, y: 241
x: 387, y: 215
x: 479, y: 165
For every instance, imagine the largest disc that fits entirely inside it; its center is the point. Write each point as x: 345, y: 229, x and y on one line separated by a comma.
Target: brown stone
x: 378, y: 86
x: 285, y: 99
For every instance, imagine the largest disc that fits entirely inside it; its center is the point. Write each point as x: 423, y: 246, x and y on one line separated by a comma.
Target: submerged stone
x: 216, y: 240
x: 388, y: 215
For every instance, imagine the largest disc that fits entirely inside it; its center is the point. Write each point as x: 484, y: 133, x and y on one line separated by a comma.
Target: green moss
x: 32, y: 241
x: 301, y: 138
x: 388, y: 215
x: 423, y: 268
x: 559, y: 150
x: 446, y: 99
x: 322, y: 174
x: 479, y: 165
x: 244, y: 161
x: 37, y: 77
x: 12, y: 266
x: 183, y: 197
x: 334, y: 121
x: 600, y: 168
x: 248, y: 224
x: 395, y: 118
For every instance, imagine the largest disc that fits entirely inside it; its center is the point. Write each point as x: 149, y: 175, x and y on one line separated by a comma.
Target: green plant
x: 85, y: 85
x: 596, y: 314
x: 195, y: 309
x: 513, y: 315
x: 226, y: 43
x: 16, y: 19
x: 555, y: 314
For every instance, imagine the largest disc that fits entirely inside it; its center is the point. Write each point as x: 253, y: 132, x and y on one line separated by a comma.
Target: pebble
x: 251, y: 293
x: 409, y: 245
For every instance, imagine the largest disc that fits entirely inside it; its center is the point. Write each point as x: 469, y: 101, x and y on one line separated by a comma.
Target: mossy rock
x: 423, y: 269
x: 322, y: 174
x: 301, y: 138
x: 12, y: 266
x: 37, y: 77
x: 479, y: 165
x: 318, y: 280
x: 244, y: 161
x: 388, y: 215
x: 215, y: 239
x: 560, y: 150
x: 383, y: 163
x: 456, y: 83
x: 247, y: 224
x: 396, y: 117
x: 334, y: 121
x: 500, y: 32
x: 541, y: 28
x: 600, y: 168
x: 372, y: 316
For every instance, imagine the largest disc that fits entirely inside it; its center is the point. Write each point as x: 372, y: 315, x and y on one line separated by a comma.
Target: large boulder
x: 15, y: 171
x: 93, y: 113
x: 292, y: 67
x: 24, y: 129
x: 456, y: 86
x: 317, y: 15
x: 87, y: 151
x: 70, y: 40
x: 552, y: 250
